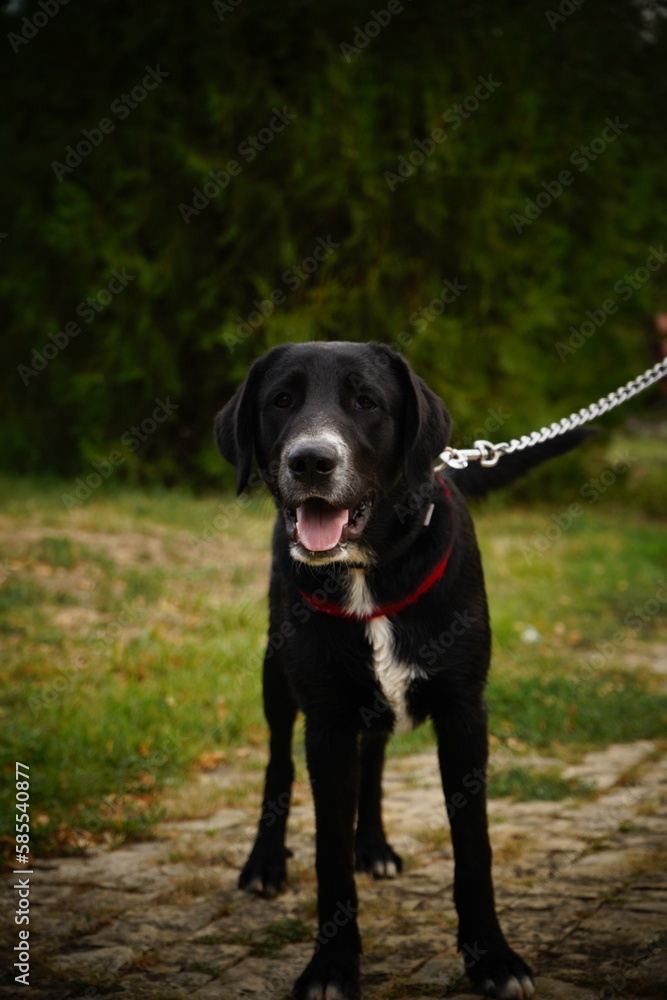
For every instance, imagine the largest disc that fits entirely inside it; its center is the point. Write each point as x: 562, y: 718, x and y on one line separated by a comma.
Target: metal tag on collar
x: 429, y: 514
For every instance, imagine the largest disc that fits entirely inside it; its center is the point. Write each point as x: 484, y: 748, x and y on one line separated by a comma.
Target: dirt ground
x: 581, y: 889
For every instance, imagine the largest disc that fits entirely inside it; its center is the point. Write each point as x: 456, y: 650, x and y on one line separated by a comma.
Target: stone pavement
x: 581, y: 888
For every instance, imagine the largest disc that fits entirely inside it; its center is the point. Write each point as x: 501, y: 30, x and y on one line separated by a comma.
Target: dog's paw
x: 333, y: 976
x: 377, y: 857
x: 265, y: 871
x: 499, y: 972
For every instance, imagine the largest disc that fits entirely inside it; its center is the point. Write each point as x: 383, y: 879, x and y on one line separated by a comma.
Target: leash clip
x: 484, y: 452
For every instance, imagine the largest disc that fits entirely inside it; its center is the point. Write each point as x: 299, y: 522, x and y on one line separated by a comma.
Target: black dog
x: 374, y: 560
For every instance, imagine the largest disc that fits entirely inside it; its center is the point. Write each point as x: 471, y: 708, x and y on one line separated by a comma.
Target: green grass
x: 525, y: 784
x: 281, y: 932
x: 543, y: 712
x: 132, y: 631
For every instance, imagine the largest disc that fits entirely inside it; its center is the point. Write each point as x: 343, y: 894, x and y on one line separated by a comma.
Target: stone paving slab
x: 581, y: 888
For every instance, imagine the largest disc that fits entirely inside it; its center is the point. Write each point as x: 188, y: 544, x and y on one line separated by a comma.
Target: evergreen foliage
x: 179, y: 278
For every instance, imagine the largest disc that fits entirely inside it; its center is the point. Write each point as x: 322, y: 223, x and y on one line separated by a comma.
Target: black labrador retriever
x: 378, y: 591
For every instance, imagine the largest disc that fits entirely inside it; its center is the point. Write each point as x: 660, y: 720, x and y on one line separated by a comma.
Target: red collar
x: 391, y: 607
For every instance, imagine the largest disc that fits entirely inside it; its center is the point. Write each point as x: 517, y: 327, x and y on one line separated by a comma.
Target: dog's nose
x: 313, y: 461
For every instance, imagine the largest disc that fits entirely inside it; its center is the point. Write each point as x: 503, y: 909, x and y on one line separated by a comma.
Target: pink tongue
x: 319, y: 525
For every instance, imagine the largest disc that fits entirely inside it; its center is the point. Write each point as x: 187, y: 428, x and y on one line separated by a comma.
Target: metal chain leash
x: 488, y: 454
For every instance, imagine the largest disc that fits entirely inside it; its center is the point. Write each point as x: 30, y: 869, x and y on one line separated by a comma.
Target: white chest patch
x: 394, y: 675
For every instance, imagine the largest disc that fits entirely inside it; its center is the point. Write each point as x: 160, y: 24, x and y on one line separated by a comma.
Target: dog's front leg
x: 494, y: 969
x: 333, y: 764
x: 373, y: 853
x: 265, y: 870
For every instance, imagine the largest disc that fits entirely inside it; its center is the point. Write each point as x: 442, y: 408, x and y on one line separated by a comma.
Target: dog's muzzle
x: 321, y: 510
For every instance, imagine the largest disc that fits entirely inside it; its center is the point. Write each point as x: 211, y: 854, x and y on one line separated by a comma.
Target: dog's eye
x: 283, y: 400
x: 365, y: 403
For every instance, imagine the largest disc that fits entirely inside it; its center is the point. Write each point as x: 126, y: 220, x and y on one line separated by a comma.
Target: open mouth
x: 320, y: 527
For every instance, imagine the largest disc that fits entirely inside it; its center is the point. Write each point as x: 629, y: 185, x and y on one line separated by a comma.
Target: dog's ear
x: 426, y: 422
x: 234, y: 436
x: 234, y: 426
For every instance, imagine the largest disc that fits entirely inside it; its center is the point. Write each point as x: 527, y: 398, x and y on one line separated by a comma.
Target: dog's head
x: 335, y: 429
